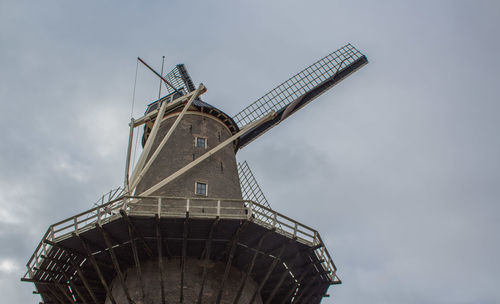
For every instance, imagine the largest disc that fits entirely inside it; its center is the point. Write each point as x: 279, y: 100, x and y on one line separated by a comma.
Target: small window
x: 201, y: 189
x: 200, y: 142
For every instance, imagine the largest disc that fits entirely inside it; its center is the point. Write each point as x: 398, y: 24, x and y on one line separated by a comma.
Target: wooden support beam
x: 250, y: 267
x: 126, y: 184
x: 292, y: 290
x: 72, y: 266
x: 51, y: 274
x: 160, y: 257
x: 148, y: 145
x: 171, y: 105
x: 136, y: 260
x: 76, y: 252
x: 207, y: 258
x: 208, y: 154
x: 304, y: 290
x: 283, y: 276
x: 54, y: 294
x: 183, y: 256
x: 269, y: 271
x: 313, y: 294
x: 76, y: 289
x: 234, y: 244
x: 166, y: 137
x: 116, y: 265
x: 41, y: 282
x: 93, y: 261
x: 82, y: 277
x: 64, y: 291
x: 137, y: 233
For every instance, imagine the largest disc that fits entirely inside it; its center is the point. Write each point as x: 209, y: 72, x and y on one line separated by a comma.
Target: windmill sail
x: 299, y: 90
x: 180, y: 79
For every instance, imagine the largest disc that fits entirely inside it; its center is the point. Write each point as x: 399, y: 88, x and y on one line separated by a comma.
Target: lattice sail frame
x: 180, y: 79
x: 250, y: 189
x: 298, y: 85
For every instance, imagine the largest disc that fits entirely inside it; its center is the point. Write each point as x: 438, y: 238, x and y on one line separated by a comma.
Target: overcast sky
x: 397, y: 166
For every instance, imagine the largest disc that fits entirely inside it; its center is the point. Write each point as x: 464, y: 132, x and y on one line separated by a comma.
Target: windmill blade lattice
x: 180, y: 79
x: 300, y: 89
x: 250, y: 189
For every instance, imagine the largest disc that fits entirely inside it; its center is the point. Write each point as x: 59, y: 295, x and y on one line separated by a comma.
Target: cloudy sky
x: 398, y: 166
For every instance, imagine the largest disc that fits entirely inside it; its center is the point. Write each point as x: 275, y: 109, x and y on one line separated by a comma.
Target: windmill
x: 191, y: 225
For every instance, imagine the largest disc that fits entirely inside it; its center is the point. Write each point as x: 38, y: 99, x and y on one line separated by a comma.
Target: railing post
x: 124, y: 206
x: 75, y: 223
x: 52, y: 233
x: 218, y: 208
x: 250, y: 210
x: 295, y: 230
x: 159, y: 207
x: 275, y: 219
x: 187, y: 205
x: 99, y: 216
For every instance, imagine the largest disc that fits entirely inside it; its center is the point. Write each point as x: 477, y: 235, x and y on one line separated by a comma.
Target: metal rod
x: 161, y: 77
x: 162, y: 65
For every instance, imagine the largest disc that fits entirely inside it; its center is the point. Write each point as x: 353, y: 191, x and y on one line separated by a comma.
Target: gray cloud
x: 397, y: 167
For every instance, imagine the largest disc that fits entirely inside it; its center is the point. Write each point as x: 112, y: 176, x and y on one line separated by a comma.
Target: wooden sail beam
x: 149, y: 144
x: 148, y: 164
x: 170, y: 105
x: 126, y: 184
x: 208, y: 154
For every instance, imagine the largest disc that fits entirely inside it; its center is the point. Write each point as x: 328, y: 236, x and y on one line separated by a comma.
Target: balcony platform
x: 78, y: 258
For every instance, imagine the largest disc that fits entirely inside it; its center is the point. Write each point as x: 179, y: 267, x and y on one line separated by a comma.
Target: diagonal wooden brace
x: 212, y: 151
x: 135, y: 182
x: 149, y: 144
